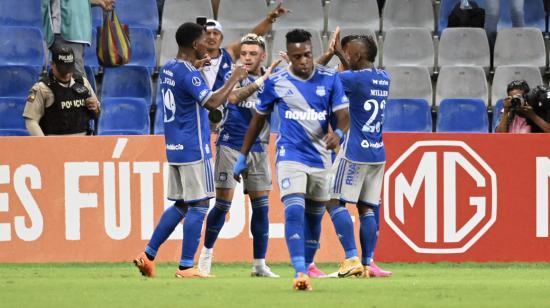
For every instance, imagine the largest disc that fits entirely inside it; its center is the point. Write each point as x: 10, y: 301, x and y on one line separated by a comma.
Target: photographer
x: 525, y: 110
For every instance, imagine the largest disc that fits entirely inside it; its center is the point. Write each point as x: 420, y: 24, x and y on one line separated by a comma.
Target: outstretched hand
x: 277, y: 12
x: 270, y: 69
x: 334, y: 42
x: 203, y: 62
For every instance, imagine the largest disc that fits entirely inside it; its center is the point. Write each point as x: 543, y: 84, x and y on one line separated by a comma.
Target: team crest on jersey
x: 225, y: 137
x: 321, y: 91
x: 285, y: 183
x: 196, y: 81
x: 222, y: 177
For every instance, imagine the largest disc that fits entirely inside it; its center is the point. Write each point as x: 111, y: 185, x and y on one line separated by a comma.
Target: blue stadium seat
x: 20, y: 13
x: 462, y: 115
x: 90, y: 54
x: 497, y: 109
x: 22, y: 46
x: 139, y: 13
x: 158, y: 128
x: 90, y: 76
x: 445, y: 8
x: 11, y: 115
x: 127, y: 81
x: 97, y: 17
x: 17, y: 80
x: 533, y: 11
x: 407, y: 115
x: 143, y: 48
x: 124, y: 116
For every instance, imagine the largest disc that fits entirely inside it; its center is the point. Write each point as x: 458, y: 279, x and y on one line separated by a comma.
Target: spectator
x: 61, y: 104
x: 69, y: 23
x: 525, y: 111
x: 492, y: 15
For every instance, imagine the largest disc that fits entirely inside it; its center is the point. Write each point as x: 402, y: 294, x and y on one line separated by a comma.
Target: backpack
x: 473, y: 18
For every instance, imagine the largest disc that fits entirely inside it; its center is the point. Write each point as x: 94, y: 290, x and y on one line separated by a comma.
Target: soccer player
x: 358, y: 171
x: 258, y: 181
x: 186, y: 98
x: 221, y: 59
x: 305, y: 96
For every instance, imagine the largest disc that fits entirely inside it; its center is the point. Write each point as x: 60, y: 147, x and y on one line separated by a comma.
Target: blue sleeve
x: 339, y: 100
x: 344, y: 78
x: 267, y: 98
x: 194, y: 84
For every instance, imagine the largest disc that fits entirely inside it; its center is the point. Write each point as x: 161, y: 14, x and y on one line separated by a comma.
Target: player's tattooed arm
x: 220, y: 96
x: 243, y: 93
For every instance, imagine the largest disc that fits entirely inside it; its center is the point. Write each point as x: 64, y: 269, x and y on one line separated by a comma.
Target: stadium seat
x: 139, y: 13
x: 506, y: 74
x: 168, y: 45
x: 176, y: 12
x: 90, y: 54
x: 279, y: 43
x: 407, y: 115
x: 344, y: 31
x: 445, y: 8
x: 464, y: 46
x: 22, y: 46
x: 97, y: 17
x: 90, y: 76
x: 533, y: 15
x: 497, y: 114
x: 11, y: 114
x: 408, y: 46
x: 127, y: 81
x: 410, y: 82
x: 520, y: 46
x: 124, y: 116
x: 144, y: 50
x: 462, y: 115
x: 241, y: 13
x: 361, y: 14
x: 407, y: 13
x: 17, y: 80
x: 313, y: 9
x: 20, y: 13
x: 461, y: 82
x: 158, y: 128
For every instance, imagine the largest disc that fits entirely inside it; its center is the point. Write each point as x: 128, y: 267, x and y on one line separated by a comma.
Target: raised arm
x: 234, y: 48
x: 220, y: 96
x: 243, y: 93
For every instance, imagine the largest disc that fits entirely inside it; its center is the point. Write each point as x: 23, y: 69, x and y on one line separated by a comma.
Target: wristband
x: 259, y: 82
x: 339, y: 132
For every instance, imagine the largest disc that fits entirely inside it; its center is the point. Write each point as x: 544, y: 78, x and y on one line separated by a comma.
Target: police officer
x: 60, y: 103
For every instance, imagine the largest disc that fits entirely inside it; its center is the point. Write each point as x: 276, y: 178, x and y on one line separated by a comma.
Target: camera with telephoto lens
x: 539, y: 99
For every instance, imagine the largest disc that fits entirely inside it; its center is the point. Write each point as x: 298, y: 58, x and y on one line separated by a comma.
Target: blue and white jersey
x: 304, y: 107
x: 219, y: 70
x: 236, y: 120
x: 367, y: 90
x: 186, y: 126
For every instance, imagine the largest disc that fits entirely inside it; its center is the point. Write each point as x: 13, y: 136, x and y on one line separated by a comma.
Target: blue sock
x: 368, y: 236
x: 259, y: 226
x: 215, y: 221
x: 192, y: 228
x: 376, y: 210
x: 312, y: 229
x: 168, y: 222
x: 344, y: 229
x: 294, y: 230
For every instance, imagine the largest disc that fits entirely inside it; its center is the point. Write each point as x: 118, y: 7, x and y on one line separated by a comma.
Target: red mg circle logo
x: 440, y: 197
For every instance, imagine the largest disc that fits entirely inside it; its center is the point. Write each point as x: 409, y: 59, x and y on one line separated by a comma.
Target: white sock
x: 208, y: 250
x: 259, y: 262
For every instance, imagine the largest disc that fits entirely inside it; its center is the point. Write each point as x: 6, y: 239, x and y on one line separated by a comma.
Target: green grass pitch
x: 413, y: 285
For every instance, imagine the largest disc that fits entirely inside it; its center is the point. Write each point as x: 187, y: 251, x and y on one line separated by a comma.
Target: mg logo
x: 440, y: 197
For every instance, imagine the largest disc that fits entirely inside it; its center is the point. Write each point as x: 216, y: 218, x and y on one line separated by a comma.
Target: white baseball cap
x: 212, y: 24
